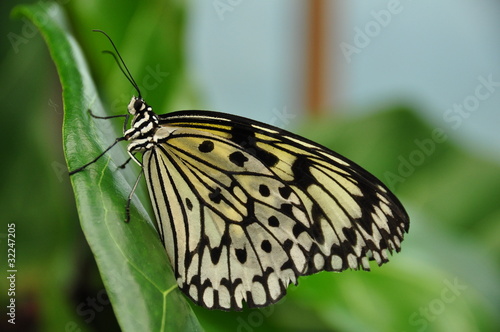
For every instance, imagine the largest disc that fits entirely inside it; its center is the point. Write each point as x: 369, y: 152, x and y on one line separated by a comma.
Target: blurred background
x: 408, y: 89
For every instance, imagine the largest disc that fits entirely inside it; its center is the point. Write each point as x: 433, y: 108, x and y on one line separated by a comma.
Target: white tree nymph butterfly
x: 244, y: 208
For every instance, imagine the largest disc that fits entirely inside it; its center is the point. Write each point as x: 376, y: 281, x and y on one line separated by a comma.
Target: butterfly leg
x: 129, y: 199
x: 126, y: 116
x: 125, y: 163
x: 81, y: 168
x: 107, y: 117
x: 132, y: 156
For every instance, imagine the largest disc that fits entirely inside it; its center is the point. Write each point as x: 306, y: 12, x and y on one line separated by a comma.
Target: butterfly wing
x: 245, y: 208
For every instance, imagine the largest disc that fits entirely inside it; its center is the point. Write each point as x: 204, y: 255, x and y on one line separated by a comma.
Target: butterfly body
x: 244, y: 208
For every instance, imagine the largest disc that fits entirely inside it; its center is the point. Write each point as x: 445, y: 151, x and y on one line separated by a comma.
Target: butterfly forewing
x: 245, y: 208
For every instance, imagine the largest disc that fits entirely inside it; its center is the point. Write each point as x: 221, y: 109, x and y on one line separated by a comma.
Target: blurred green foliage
x: 445, y: 278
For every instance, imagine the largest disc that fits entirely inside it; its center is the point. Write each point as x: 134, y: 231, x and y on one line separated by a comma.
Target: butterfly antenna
x: 121, y: 64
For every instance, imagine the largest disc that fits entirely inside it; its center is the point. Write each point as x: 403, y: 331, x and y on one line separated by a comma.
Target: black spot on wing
x: 245, y: 138
x: 350, y: 235
x: 301, y: 172
x: 215, y: 196
x: 238, y: 158
x: 241, y: 254
x: 266, y: 157
x: 189, y: 205
x: 287, y: 209
x: 206, y: 146
x: 298, y: 228
x: 273, y: 221
x: 266, y: 246
x: 264, y: 190
x: 285, y: 192
x: 215, y: 254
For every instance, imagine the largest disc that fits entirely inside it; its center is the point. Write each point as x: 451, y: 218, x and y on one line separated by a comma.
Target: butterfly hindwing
x: 245, y: 208
x: 239, y: 236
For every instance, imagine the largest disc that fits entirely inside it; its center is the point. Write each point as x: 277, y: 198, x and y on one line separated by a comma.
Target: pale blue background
x: 250, y: 60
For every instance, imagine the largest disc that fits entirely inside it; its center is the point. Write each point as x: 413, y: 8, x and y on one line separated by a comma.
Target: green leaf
x: 131, y: 259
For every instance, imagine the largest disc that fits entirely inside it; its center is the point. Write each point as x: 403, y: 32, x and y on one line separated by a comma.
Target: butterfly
x: 244, y: 208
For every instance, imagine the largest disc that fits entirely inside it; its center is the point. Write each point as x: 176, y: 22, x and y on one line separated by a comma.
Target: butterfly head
x: 138, y: 105
x: 144, y: 122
